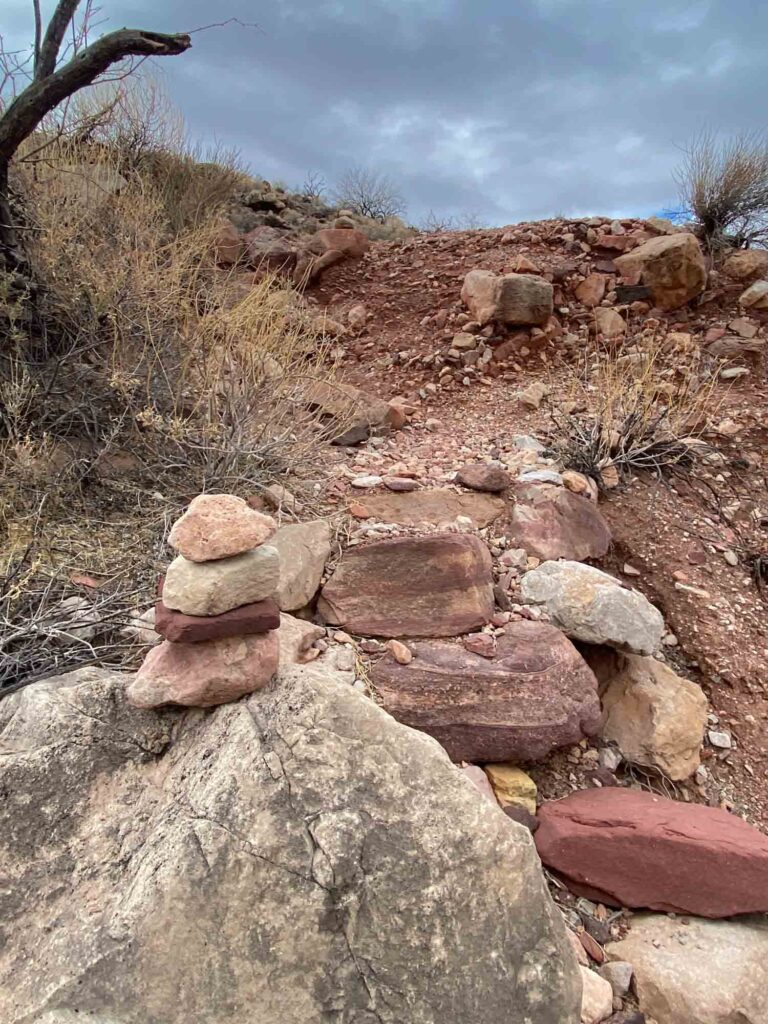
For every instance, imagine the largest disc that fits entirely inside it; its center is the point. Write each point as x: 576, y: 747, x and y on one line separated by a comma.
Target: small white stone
x: 366, y: 481
x: 720, y: 739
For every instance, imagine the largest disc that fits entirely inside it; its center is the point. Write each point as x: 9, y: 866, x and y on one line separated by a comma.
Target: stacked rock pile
x: 215, y: 610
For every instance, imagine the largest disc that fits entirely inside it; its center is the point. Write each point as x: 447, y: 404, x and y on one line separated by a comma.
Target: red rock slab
x: 535, y: 695
x: 635, y: 849
x: 247, y: 620
x: 439, y: 585
x: 553, y: 522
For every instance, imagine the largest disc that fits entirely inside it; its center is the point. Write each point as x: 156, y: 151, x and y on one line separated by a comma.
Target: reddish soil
x: 681, y: 531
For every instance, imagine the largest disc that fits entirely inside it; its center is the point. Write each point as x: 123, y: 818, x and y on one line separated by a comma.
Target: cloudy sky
x: 500, y: 109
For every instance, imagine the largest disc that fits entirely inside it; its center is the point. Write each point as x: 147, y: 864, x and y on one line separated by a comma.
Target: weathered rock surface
x: 635, y: 849
x: 296, y: 637
x: 219, y: 526
x: 590, y: 605
x: 211, y: 588
x: 511, y: 785
x: 698, y: 972
x: 672, y: 266
x: 433, y: 506
x: 511, y: 299
x: 596, y: 998
x: 353, y: 244
x: 747, y: 265
x: 479, y: 476
x: 655, y: 717
x: 535, y: 695
x: 259, y: 617
x: 304, y: 548
x: 355, y: 413
x: 294, y: 857
x: 201, y: 676
x: 439, y: 585
x: 756, y: 296
x: 553, y: 522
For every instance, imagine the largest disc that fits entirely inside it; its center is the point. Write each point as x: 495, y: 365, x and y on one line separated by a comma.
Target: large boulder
x: 672, y: 266
x: 655, y: 717
x: 511, y: 299
x: 698, y: 972
x: 295, y: 857
x: 350, y: 242
x: 439, y: 585
x: 553, y: 522
x: 589, y: 605
x: 304, y: 548
x: 636, y: 849
x: 536, y: 694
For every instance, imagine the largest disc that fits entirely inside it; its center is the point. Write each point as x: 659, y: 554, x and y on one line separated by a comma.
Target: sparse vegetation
x: 369, y: 193
x: 723, y: 185
x: 633, y: 411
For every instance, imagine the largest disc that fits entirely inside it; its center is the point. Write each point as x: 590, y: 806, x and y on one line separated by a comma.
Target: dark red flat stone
x: 248, y: 619
x: 629, y: 848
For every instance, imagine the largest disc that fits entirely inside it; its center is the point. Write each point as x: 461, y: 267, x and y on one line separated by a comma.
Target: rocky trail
x: 577, y: 648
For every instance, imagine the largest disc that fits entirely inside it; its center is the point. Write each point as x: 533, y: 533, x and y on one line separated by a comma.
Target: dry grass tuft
x: 134, y: 373
x: 634, y: 411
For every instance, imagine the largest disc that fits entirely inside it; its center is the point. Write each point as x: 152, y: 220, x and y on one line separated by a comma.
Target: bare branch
x: 54, y: 34
x: 38, y: 31
x: 27, y: 111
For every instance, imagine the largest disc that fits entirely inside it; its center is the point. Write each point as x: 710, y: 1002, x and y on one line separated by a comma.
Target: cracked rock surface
x: 297, y: 856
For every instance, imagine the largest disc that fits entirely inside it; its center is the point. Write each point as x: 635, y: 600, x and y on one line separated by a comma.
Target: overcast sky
x: 504, y: 109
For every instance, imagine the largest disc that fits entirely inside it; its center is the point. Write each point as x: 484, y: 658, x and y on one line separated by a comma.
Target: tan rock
x: 210, y: 588
x: 609, y: 323
x: 756, y: 296
x: 512, y: 785
x: 351, y: 243
x: 228, y: 245
x: 534, y: 394
x: 511, y: 299
x: 579, y: 483
x: 219, y: 526
x: 400, y: 652
x: 357, y: 316
x: 591, y: 291
x: 295, y: 637
x: 672, y: 266
x: 202, y: 675
x: 596, y: 998
x: 304, y: 548
x: 747, y: 265
x: 694, y: 971
x: 655, y: 717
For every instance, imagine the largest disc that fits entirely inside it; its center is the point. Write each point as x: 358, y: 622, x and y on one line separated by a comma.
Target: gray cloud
x: 509, y: 109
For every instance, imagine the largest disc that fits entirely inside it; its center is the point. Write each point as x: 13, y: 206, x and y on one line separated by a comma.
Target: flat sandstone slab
x: 440, y: 505
x: 411, y: 586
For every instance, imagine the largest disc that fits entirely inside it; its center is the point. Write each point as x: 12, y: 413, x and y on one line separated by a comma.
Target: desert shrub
x: 723, y: 187
x: 369, y: 193
x: 134, y: 373
x: 630, y: 411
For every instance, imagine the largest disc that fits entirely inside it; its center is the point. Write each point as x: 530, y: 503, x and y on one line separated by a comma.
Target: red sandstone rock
x: 248, y: 619
x: 439, y: 585
x: 635, y: 849
x: 351, y: 243
x: 553, y: 522
x: 535, y: 695
x: 479, y: 476
x: 219, y: 526
x: 202, y: 675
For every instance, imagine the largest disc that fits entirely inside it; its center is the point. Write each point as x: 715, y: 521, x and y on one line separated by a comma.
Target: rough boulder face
x: 589, y: 605
x: 635, y: 849
x: 698, y: 972
x: 291, y: 858
x: 672, y: 266
x: 511, y: 299
x: 439, y: 585
x: 536, y: 694
x: 553, y: 522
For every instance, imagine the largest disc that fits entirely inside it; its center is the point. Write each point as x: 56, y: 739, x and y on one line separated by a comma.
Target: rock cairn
x: 215, y: 610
